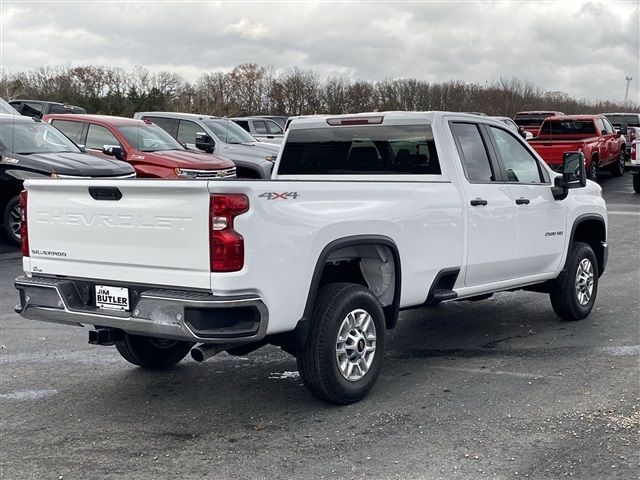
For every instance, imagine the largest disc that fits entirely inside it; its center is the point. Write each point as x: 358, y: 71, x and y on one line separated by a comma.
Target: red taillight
x: 24, y: 230
x: 226, y: 251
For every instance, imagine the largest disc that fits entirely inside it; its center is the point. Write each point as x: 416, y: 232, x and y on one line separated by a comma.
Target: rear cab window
x: 361, y: 150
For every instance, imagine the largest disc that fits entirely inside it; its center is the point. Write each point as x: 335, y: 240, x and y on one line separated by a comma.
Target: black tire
x: 636, y: 182
x: 564, y: 294
x: 318, y: 359
x: 617, y: 169
x: 152, y: 353
x: 8, y: 220
x: 594, y: 170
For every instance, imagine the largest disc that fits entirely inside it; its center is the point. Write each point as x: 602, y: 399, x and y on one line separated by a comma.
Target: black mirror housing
x: 574, y: 175
x: 113, y: 151
x: 574, y: 172
x: 205, y: 142
x: 624, y: 129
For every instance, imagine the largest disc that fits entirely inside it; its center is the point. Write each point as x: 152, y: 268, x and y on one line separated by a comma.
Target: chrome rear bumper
x: 178, y: 315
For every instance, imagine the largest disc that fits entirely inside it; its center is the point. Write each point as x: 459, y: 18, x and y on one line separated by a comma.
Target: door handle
x: 522, y: 201
x: 478, y: 202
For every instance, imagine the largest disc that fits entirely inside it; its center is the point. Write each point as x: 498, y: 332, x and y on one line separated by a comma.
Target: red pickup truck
x: 151, y: 151
x: 592, y: 135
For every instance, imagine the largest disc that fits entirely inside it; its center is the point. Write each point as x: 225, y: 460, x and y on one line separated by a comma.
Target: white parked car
x: 364, y: 216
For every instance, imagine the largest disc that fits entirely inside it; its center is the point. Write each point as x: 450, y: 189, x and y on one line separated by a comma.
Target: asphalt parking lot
x: 470, y: 390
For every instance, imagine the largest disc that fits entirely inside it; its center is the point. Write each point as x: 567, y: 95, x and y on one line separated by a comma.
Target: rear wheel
x: 11, y: 220
x: 617, y: 169
x: 573, y: 297
x: 343, y: 354
x: 150, y: 352
x: 636, y: 182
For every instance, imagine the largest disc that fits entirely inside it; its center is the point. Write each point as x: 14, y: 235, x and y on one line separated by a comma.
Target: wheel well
x: 592, y: 232
x: 8, y: 192
x: 246, y: 172
x: 374, y: 264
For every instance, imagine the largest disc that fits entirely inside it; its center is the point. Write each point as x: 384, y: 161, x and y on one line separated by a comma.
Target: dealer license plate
x: 112, y: 298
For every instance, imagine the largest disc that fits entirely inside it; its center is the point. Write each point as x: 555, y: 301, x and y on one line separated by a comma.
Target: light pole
x: 626, y: 92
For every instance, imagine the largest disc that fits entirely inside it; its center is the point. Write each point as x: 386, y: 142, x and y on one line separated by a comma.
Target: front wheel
x: 574, y: 295
x: 11, y: 220
x: 617, y: 169
x: 150, y: 352
x: 343, y: 354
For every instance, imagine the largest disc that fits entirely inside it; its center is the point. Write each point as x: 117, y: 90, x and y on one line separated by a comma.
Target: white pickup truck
x: 365, y: 215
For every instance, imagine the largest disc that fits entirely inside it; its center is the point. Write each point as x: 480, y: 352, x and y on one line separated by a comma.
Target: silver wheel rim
x: 356, y: 345
x: 584, y: 281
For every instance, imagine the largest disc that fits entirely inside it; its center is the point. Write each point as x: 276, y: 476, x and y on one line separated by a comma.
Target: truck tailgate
x: 156, y: 232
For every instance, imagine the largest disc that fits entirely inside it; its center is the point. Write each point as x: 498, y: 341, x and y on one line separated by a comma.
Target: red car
x: 151, y: 151
x: 532, y: 120
x: 592, y: 135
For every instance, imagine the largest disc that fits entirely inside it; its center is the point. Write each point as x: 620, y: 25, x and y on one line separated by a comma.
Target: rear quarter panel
x: 284, y: 238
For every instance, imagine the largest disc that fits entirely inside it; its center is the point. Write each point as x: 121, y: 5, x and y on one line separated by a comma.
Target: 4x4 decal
x: 278, y: 195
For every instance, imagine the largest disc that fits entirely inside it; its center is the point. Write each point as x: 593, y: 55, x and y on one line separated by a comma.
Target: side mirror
x: 623, y: 129
x: 522, y: 132
x: 113, y: 150
x: 205, y: 142
x: 574, y: 174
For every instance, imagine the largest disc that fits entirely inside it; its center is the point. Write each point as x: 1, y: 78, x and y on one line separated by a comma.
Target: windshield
x: 37, y: 137
x: 568, y: 127
x: 629, y: 120
x: 228, y: 131
x: 149, y: 138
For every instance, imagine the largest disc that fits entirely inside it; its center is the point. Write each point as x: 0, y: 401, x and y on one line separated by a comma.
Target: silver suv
x: 219, y: 136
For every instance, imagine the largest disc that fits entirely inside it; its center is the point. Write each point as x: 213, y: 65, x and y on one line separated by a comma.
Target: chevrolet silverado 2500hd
x: 365, y: 215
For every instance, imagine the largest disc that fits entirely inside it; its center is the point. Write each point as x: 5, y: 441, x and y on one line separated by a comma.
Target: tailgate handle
x: 105, y: 193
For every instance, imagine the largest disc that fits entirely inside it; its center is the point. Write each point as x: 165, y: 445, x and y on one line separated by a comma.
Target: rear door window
x: 357, y: 150
x: 243, y: 123
x: 260, y: 127
x: 98, y: 137
x: 73, y: 130
x: 473, y: 152
x: 55, y: 108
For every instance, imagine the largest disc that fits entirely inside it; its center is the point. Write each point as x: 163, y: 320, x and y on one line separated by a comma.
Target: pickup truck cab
x: 629, y: 122
x: 532, y: 120
x: 592, y: 135
x: 365, y: 215
x: 148, y: 148
x: 220, y: 137
x: 262, y: 129
x: 40, y: 108
x: 30, y: 148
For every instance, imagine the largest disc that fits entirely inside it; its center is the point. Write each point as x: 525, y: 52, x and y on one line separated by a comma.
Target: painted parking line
x: 621, y: 212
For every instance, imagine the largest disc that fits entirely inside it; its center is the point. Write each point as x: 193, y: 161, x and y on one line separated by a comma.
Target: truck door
x: 540, y: 220
x: 491, y: 211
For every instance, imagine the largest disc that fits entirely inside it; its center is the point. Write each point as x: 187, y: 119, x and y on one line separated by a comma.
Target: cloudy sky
x: 583, y: 48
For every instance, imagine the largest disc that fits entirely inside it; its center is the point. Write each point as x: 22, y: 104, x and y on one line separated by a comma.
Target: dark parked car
x: 40, y: 108
x: 31, y: 148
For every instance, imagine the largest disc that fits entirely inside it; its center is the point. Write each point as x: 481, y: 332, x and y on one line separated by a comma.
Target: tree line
x: 250, y: 89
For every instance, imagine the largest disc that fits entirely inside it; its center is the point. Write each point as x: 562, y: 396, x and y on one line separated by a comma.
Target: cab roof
x: 105, y: 119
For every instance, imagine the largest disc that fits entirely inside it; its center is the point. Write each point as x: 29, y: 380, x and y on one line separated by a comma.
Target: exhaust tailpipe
x: 205, y: 351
